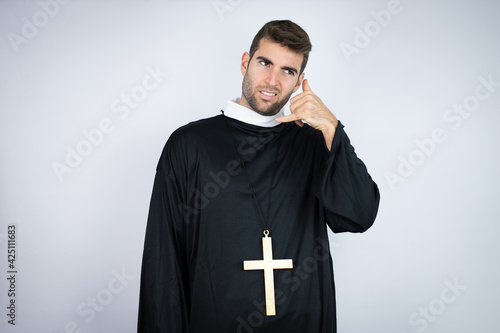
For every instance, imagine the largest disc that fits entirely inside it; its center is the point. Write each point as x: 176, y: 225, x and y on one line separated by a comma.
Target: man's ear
x: 245, y: 60
x: 299, y: 82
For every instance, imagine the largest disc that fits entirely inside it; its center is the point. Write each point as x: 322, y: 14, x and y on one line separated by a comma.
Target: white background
x: 80, y: 227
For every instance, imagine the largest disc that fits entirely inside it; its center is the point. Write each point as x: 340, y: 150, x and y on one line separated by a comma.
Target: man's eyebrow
x: 291, y: 69
x: 261, y: 58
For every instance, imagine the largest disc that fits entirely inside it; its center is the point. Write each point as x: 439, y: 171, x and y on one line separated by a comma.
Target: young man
x: 237, y: 231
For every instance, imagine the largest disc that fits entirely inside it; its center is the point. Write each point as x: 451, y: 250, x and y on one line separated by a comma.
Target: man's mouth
x: 267, y: 94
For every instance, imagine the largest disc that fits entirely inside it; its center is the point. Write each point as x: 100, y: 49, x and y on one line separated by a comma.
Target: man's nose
x: 273, y: 78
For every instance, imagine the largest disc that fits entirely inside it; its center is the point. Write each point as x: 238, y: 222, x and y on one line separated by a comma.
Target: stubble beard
x: 250, y: 96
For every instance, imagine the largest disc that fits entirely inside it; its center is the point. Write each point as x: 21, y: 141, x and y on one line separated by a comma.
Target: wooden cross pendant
x: 268, y: 265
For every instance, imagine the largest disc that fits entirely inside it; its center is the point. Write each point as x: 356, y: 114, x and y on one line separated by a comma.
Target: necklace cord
x: 264, y: 222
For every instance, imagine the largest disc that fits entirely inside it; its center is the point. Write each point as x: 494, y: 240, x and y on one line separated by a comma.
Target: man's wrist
x: 329, y: 133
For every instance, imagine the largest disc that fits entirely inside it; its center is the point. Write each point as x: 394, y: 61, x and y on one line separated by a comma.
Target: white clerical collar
x: 239, y: 112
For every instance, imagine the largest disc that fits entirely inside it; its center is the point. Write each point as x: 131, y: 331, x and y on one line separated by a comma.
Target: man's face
x: 270, y: 77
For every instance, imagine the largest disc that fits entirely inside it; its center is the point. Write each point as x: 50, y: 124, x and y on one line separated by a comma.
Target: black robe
x: 203, y: 224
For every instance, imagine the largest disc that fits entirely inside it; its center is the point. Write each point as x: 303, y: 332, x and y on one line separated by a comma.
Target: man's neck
x: 238, y: 111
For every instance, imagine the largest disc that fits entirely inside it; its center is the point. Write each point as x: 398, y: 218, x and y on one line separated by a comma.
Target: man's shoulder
x: 201, y: 124
x: 197, y: 131
x: 185, y: 143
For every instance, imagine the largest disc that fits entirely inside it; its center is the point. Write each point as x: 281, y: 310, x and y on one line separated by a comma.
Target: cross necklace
x: 267, y: 264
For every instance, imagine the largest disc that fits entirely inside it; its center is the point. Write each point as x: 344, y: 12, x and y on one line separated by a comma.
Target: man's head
x: 273, y: 70
x: 287, y: 34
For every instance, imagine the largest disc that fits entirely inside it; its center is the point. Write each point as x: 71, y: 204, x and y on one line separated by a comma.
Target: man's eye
x: 264, y: 63
x: 289, y: 72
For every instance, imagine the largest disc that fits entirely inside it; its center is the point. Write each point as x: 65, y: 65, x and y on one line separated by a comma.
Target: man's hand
x: 308, y: 107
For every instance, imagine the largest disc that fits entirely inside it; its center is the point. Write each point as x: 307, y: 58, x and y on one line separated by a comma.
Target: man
x: 237, y: 231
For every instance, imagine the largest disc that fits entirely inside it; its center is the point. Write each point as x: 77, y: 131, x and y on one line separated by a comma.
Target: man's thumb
x: 305, y: 85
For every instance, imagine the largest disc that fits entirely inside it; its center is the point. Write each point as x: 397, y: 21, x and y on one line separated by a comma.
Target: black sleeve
x: 164, y: 291
x: 345, y: 189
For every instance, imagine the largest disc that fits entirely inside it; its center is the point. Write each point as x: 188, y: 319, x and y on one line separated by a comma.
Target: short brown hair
x: 287, y: 34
